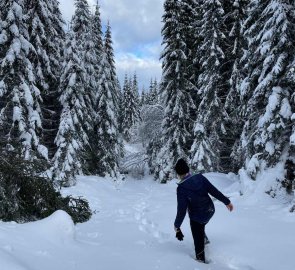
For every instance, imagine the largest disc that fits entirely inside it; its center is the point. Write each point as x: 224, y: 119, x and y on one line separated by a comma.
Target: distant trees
x: 152, y: 97
x: 130, y: 106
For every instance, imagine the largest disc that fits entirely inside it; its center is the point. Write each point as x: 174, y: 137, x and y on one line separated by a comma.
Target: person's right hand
x: 230, y: 207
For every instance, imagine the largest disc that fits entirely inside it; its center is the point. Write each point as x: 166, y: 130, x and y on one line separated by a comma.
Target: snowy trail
x: 133, y: 229
x: 134, y: 226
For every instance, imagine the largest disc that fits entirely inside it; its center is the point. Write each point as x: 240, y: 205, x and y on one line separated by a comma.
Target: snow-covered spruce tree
x: 124, y: 123
x: 190, y: 15
x: 45, y: 26
x: 51, y: 108
x: 98, y: 45
x: 108, y: 48
x: 149, y: 97
x: 105, y: 141
x: 148, y: 93
x: 97, y: 28
x: 20, y: 112
x: 121, y: 109
x: 153, y: 95
x: 290, y: 163
x: 71, y: 138
x: 82, y: 29
x: 267, y: 89
x: 83, y: 33
x: 117, y: 93
x: 234, y: 48
x: 91, y: 150
x: 122, y: 120
x: 135, y: 90
x: 150, y: 128
x: 143, y: 97
x: 209, y: 124
x: 130, y: 109
x: 150, y: 122
x: 109, y: 149
x: 175, y: 92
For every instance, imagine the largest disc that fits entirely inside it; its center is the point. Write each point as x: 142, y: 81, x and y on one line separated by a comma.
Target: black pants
x: 198, y: 232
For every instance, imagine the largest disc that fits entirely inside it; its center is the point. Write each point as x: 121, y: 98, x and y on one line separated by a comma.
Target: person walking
x: 193, y: 196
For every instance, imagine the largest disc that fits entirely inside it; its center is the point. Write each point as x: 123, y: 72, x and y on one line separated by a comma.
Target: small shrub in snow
x: 26, y: 195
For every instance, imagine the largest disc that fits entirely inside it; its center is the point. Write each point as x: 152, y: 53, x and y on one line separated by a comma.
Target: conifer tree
x: 236, y: 45
x: 267, y: 86
x: 130, y: 111
x: 121, y: 109
x: 143, y: 97
x: 190, y: 15
x: 92, y: 59
x: 105, y: 143
x: 45, y: 27
x: 135, y: 90
x: 124, y: 123
x: 149, y: 99
x: 153, y: 94
x: 108, y: 48
x: 175, y: 88
x: 81, y: 22
x: 82, y: 29
x: 98, y: 45
x: 88, y: 51
x: 71, y: 138
x: 290, y: 163
x: 109, y: 148
x: 117, y: 93
x: 209, y: 123
x: 20, y: 110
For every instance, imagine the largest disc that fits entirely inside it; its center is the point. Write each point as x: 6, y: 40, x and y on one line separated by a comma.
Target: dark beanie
x: 181, y: 167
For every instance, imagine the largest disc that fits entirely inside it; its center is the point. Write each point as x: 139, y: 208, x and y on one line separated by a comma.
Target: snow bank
x: 57, y: 228
x: 32, y: 245
x: 266, y: 184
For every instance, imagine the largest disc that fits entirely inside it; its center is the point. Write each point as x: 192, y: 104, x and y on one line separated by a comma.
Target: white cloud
x: 133, y: 21
x: 145, y: 68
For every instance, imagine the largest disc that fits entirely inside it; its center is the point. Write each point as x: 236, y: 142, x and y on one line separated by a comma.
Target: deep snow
x: 133, y: 229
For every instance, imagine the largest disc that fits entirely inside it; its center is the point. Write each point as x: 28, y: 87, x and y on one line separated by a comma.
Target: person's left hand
x: 230, y: 207
x: 179, y: 235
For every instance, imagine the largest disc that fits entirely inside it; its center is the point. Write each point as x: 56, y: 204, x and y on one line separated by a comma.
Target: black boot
x: 201, y: 257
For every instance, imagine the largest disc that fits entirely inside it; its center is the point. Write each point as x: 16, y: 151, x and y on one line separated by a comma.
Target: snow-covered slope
x: 132, y: 229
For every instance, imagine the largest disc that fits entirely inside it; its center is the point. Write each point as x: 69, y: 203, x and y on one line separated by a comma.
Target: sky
x: 136, y: 31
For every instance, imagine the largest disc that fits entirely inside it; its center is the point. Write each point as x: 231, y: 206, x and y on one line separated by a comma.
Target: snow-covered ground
x: 132, y: 229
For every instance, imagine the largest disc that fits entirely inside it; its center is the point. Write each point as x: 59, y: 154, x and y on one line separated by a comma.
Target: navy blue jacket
x: 193, y: 195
